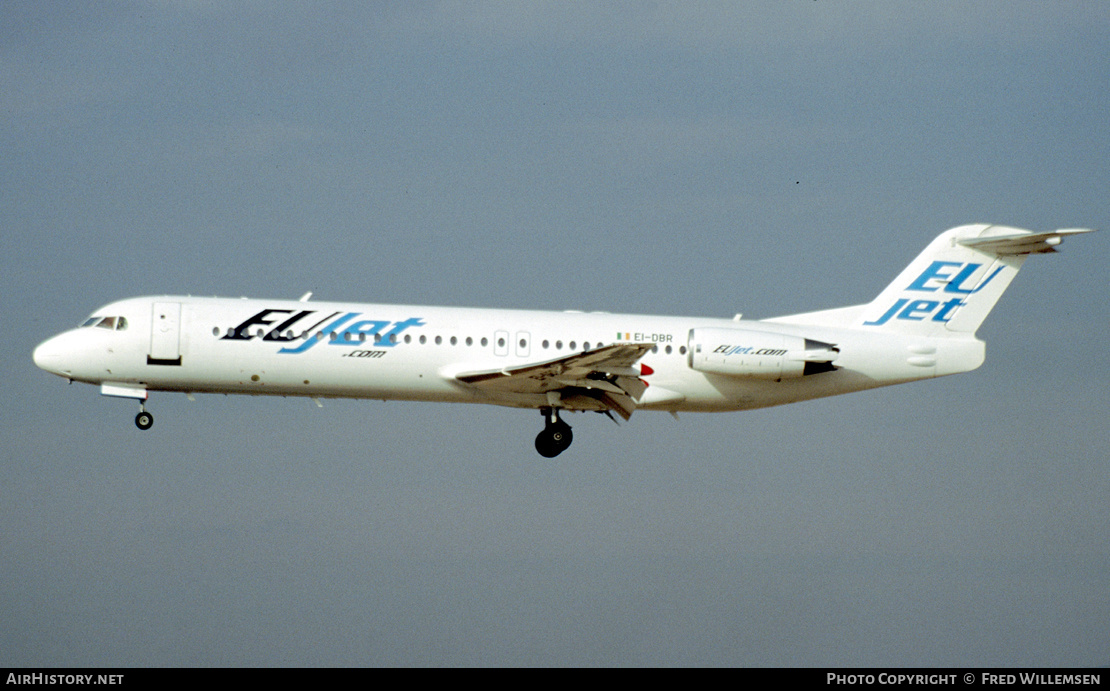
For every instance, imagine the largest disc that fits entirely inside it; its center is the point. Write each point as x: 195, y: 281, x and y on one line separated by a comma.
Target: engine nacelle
x: 759, y: 354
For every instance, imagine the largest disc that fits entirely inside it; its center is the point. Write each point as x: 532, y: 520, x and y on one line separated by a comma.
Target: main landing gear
x: 556, y: 435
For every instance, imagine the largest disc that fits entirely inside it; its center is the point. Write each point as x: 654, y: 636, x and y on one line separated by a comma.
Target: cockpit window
x: 110, y: 323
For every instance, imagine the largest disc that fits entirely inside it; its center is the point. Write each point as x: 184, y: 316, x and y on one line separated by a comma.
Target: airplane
x: 921, y: 326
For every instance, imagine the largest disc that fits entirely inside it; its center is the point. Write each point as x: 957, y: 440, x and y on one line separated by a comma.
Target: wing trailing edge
x: 608, y: 374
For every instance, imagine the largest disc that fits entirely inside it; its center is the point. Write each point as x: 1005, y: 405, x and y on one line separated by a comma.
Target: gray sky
x: 671, y: 158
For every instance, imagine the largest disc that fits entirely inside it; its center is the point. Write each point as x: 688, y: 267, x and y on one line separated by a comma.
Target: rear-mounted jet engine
x: 758, y: 354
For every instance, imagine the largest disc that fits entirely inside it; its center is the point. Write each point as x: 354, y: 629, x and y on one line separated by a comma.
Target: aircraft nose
x: 50, y: 356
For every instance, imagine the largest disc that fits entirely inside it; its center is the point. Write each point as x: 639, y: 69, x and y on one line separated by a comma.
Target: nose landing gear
x: 144, y: 420
x: 556, y: 435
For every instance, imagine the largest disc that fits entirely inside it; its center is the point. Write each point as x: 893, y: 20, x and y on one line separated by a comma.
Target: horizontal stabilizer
x: 1021, y: 243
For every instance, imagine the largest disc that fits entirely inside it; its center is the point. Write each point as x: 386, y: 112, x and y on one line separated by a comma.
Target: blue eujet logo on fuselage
x: 952, y: 276
x: 339, y: 328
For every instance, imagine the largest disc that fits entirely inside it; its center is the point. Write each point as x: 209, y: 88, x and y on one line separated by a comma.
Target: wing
x: 608, y: 374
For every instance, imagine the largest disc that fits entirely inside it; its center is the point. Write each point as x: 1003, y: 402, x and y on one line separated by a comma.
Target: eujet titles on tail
x: 922, y: 325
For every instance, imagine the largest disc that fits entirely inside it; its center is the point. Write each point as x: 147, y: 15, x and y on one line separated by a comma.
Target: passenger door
x: 165, y: 334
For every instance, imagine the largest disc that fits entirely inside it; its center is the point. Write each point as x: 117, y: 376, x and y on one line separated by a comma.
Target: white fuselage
x: 327, y: 349
x: 921, y: 325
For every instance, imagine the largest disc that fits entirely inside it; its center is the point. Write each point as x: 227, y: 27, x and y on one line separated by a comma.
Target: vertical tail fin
x: 951, y: 287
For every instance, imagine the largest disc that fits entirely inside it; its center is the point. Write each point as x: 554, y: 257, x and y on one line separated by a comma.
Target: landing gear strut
x: 556, y: 435
x: 143, y: 420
